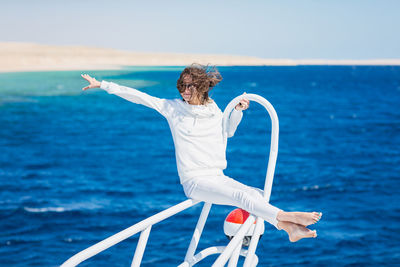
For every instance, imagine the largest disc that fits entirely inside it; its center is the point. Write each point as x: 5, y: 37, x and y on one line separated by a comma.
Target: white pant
x: 224, y: 190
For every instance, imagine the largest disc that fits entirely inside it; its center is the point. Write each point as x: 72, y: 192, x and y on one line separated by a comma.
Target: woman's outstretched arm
x: 130, y: 94
x: 236, y: 116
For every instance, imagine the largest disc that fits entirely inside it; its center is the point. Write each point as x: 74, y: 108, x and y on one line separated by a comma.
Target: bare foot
x: 302, y: 218
x: 296, y: 231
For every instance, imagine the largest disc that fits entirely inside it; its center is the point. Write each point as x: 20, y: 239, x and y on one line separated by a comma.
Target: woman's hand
x: 93, y: 82
x: 243, y: 104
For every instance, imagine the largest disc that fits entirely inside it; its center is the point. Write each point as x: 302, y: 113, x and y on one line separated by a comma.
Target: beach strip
x: 15, y: 57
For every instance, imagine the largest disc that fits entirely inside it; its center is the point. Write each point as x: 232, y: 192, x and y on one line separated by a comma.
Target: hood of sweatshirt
x: 199, y: 111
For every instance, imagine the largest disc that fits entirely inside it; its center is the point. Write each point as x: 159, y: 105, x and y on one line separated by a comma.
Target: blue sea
x: 79, y: 166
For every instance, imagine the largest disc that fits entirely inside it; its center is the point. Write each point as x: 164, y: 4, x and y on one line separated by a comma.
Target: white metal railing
x: 230, y: 252
x: 273, y: 154
x: 144, y: 226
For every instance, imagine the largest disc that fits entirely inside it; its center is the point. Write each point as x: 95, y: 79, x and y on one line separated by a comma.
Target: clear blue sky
x: 336, y: 29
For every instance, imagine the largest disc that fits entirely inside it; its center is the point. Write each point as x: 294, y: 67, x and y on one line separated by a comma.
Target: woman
x: 195, y: 122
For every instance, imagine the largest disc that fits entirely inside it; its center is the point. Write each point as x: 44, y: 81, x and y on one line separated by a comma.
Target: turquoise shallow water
x: 77, y: 167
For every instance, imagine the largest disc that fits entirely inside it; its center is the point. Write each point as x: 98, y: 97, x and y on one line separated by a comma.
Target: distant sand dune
x: 37, y: 57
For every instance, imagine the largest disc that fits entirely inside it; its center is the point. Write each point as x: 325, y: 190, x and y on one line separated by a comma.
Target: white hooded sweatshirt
x: 196, y: 130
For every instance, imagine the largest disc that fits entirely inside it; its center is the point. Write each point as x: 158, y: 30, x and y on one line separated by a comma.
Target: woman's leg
x: 223, y: 190
x: 302, y: 218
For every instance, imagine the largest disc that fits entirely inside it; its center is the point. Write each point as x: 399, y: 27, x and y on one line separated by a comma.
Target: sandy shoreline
x: 16, y: 57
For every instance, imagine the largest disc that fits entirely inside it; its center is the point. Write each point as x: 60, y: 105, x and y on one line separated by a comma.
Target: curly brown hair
x: 204, y: 78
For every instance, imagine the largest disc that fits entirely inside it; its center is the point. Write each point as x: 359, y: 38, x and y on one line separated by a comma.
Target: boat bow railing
x: 230, y: 252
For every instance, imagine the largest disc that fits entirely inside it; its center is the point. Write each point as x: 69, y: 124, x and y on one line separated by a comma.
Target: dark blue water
x: 77, y: 167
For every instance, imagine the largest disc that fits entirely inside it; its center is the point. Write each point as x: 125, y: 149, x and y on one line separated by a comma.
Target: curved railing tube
x: 273, y: 154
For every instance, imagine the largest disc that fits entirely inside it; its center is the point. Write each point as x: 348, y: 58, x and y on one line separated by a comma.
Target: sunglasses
x: 188, y: 85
